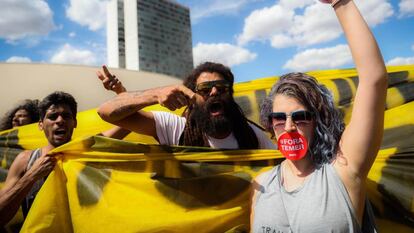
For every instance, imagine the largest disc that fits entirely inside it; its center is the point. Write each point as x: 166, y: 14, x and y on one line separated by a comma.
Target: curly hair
x: 318, y: 100
x: 57, y: 98
x: 193, y: 135
x: 29, y: 105
x: 211, y: 67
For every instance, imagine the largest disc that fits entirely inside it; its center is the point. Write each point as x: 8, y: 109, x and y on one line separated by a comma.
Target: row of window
x: 166, y: 5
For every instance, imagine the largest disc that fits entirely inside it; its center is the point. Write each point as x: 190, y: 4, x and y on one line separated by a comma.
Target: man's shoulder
x: 161, y: 116
x: 265, y: 175
x: 24, y: 156
x: 19, y: 164
x: 169, y: 127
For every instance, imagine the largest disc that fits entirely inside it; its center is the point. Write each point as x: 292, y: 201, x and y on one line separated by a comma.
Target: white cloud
x: 226, y: 54
x: 21, y: 19
x: 304, y: 23
x: 262, y: 24
x: 317, y: 24
x: 292, y: 4
x: 325, y: 58
x: 70, y: 55
x: 72, y: 34
x: 401, y: 61
x: 375, y: 11
x: 209, y: 8
x: 17, y: 59
x: 90, y: 13
x: 406, y: 7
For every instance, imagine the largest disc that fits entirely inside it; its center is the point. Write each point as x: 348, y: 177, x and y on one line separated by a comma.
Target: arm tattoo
x: 124, y: 105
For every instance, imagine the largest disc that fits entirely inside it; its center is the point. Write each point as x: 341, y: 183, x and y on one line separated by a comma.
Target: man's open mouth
x: 60, y: 133
x: 216, y: 108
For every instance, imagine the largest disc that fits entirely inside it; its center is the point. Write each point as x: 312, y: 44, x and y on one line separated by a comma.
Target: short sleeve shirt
x: 170, y: 126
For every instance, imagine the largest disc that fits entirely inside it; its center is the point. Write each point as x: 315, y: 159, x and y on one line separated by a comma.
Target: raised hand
x: 175, y: 96
x: 109, y: 81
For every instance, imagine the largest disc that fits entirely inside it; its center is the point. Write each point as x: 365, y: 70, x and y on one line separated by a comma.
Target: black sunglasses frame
x: 205, y: 88
x: 300, y: 115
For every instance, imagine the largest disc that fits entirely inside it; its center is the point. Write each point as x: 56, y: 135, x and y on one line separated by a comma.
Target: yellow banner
x: 107, y: 185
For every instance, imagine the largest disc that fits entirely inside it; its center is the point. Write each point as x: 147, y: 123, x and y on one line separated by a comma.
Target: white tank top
x: 321, y: 204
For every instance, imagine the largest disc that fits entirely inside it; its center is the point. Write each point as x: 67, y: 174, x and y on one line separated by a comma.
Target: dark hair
x: 57, y: 98
x: 211, y: 67
x: 318, y: 100
x: 193, y: 135
x: 29, y: 105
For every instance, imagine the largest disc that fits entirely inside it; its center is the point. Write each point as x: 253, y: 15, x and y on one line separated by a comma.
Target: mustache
x: 225, y: 101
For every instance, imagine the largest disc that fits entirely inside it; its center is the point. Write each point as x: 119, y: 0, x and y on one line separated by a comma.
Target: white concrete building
x: 149, y: 35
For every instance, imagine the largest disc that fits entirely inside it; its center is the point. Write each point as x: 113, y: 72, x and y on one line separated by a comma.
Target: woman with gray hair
x: 321, y: 186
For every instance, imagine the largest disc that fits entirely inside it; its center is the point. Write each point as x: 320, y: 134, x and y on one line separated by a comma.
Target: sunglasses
x: 54, y: 115
x: 300, y: 117
x: 205, y: 88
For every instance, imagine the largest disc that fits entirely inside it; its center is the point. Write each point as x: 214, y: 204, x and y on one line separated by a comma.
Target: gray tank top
x: 321, y: 204
x: 28, y: 201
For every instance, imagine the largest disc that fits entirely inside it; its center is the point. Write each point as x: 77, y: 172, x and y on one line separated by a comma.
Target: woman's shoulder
x: 267, y: 176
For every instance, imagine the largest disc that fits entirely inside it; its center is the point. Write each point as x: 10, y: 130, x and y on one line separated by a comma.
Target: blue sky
x: 256, y: 38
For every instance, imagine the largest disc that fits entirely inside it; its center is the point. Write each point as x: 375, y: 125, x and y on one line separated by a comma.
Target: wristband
x: 332, y: 2
x: 335, y: 2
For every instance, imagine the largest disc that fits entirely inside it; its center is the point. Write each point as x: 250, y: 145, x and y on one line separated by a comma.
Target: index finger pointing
x: 107, y: 73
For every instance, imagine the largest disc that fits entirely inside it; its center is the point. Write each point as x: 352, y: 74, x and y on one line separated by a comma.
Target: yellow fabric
x: 150, y: 188
x: 95, y: 191
x: 105, y: 185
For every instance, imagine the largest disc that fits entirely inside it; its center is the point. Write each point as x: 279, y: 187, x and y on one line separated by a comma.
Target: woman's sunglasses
x: 205, y: 88
x: 299, y: 117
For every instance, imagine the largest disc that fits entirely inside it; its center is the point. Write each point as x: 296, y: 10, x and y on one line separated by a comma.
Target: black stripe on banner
x: 355, y: 80
x: 396, y: 78
x: 344, y: 90
x: 260, y: 95
x: 205, y: 190
x: 9, y: 147
x: 245, y: 105
x: 91, y: 182
x: 407, y: 91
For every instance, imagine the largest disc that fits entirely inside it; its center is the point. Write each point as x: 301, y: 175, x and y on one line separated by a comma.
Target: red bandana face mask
x: 292, y: 145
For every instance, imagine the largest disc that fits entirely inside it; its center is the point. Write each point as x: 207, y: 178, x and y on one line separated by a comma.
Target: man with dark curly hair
x: 212, y: 118
x: 23, y: 114
x: 31, y: 167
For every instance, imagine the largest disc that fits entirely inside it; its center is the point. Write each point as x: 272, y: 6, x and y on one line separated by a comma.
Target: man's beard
x: 214, y: 125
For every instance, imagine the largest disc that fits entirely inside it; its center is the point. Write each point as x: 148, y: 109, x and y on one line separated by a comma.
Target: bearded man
x: 212, y: 118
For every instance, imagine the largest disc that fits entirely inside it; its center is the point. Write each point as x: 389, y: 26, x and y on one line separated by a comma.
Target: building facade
x: 150, y: 35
